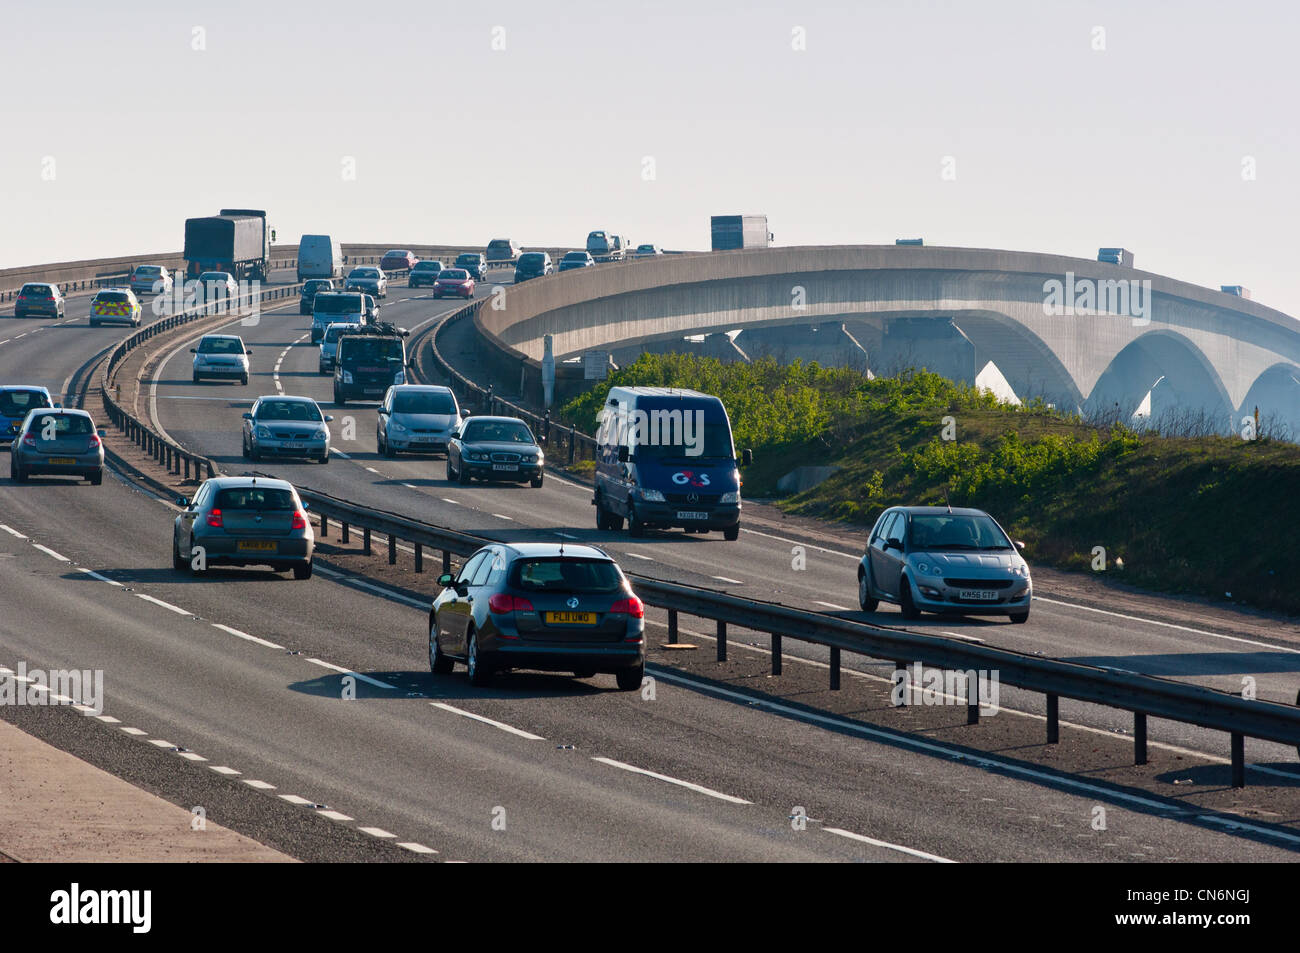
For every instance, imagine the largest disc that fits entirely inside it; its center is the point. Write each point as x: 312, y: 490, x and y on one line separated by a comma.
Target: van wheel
x: 730, y: 534
x: 905, y: 603
x: 865, y: 601
x: 629, y: 679
x: 479, y: 673
x: 634, y: 525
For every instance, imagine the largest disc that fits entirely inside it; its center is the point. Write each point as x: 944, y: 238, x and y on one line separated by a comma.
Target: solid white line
x: 639, y: 556
x: 222, y: 769
x: 416, y: 848
x: 1169, y: 625
x: 488, y: 721
x: 295, y: 799
x: 49, y: 552
x: 347, y: 671
x: 334, y: 815
x: 410, y: 486
x: 245, y: 635
x: 340, y: 453
x: 93, y: 574
x: 880, y: 843
x: 373, y: 470
x: 502, y: 516
x: 11, y: 531
x: 260, y: 785
x: 917, y: 744
x: 831, y: 605
x: 663, y: 777
x: 375, y: 832
x: 566, y: 535
x: 444, y: 499
x: 166, y: 605
x: 735, y: 582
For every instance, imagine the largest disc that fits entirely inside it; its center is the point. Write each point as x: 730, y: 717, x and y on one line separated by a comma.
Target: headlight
x: 1022, y: 571
x: 347, y: 377
x: 395, y: 427
x: 323, y: 433
x: 651, y: 496
x: 263, y: 433
x: 928, y: 570
x: 732, y: 497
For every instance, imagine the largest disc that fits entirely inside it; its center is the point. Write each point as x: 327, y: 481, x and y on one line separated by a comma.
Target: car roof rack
x: 383, y: 328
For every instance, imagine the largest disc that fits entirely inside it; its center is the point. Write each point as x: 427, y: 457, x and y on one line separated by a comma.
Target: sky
x: 1164, y: 127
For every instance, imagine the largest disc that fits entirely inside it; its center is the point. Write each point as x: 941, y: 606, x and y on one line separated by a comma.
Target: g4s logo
x: 683, y: 477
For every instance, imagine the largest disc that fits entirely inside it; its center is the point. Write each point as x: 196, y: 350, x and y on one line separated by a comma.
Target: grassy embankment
x: 1205, y: 515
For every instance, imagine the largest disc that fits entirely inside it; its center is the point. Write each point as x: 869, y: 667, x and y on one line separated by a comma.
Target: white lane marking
x: 244, y: 635
x: 334, y: 815
x: 347, y: 671
x: 416, y: 848
x: 159, y: 743
x: 11, y: 531
x: 965, y: 638
x: 340, y: 453
x: 110, y: 720
x: 134, y: 731
x: 734, y: 582
x: 639, y: 556
x: 49, y: 552
x: 887, y: 845
x: 373, y: 470
x: 410, y: 486
x: 95, y: 575
x: 502, y: 516
x: 23, y: 335
x: 444, y: 499
x: 191, y: 756
x: 260, y: 785
x: 1169, y: 625
x: 376, y: 832
x: 222, y: 769
x: 295, y: 799
x: 989, y: 764
x: 831, y: 605
x: 700, y: 789
x: 84, y: 709
x: 361, y: 584
x: 820, y: 549
x: 488, y: 721
x: 166, y: 605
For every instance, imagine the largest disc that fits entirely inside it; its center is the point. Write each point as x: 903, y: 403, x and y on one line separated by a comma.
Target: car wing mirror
x: 247, y: 416
x: 746, y: 457
x: 194, y: 350
x: 1020, y: 544
x: 329, y: 417
x: 182, y: 502
x: 446, y: 579
x: 101, y: 432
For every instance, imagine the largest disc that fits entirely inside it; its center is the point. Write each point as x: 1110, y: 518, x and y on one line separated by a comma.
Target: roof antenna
x: 945, y: 500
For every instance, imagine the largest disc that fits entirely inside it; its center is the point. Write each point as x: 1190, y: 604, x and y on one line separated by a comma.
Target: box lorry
x: 732, y: 232
x: 235, y: 240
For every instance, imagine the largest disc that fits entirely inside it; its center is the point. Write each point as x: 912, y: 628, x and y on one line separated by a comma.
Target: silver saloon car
x: 60, y: 442
x: 286, y: 427
x: 416, y: 418
x: 243, y: 521
x: 942, y: 559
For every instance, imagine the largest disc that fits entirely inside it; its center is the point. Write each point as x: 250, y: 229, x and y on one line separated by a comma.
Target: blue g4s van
x: 665, y: 458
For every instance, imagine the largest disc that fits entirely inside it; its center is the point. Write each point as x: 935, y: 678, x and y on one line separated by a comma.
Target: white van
x: 319, y: 256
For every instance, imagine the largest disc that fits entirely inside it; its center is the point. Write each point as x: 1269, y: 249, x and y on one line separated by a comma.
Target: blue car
x: 15, y: 402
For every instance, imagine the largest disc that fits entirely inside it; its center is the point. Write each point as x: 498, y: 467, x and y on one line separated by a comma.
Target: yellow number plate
x: 572, y: 618
x: 62, y: 461
x: 257, y: 545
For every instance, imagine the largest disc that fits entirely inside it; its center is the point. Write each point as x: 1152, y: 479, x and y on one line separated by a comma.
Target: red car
x: 397, y: 260
x: 455, y: 282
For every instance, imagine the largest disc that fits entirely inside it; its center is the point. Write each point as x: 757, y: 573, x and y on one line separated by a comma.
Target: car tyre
x: 584, y: 673
x: 253, y: 453
x: 730, y: 534
x: 17, y: 473
x: 385, y: 449
x: 325, y: 457
x: 302, y: 570
x: 1020, y: 618
x: 243, y: 379
x: 439, y: 664
x: 462, y: 476
x: 865, y: 602
x: 536, y: 481
x: 479, y: 673
x: 905, y: 603
x: 96, y: 478
x: 196, y: 378
x: 243, y: 449
x: 629, y: 679
x: 178, y: 564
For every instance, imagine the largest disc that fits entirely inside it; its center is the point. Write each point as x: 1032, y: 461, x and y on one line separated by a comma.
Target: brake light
x: 94, y: 441
x: 630, y: 606
x: 29, y: 441
x: 299, y: 520
x: 214, y: 519
x: 502, y: 603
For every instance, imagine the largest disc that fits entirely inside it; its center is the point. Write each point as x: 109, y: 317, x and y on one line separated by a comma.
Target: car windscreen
x: 312, y: 287
x: 364, y: 273
x: 221, y: 346
x: 16, y: 403
x: 680, y: 433
x: 496, y: 431
x: 65, y: 425
x: 337, y: 304
x: 454, y: 274
x: 287, y: 410
x: 427, y: 266
x: 254, y: 498
x: 947, y: 531
x: 561, y: 574
x: 364, y: 350
x: 576, y: 256
x: 332, y: 334
x: 467, y: 260
x: 531, y: 260
x: 423, y: 402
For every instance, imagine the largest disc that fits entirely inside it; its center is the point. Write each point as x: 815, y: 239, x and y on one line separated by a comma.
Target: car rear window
x: 112, y: 297
x: 16, y: 403
x: 365, y: 273
x: 428, y: 266
x: 563, y: 574
x: 43, y: 291
x: 148, y: 270
x: 576, y: 256
x: 255, y: 498
x: 74, y: 425
x: 530, y: 258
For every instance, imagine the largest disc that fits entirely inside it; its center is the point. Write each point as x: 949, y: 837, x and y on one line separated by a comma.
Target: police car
x: 115, y: 306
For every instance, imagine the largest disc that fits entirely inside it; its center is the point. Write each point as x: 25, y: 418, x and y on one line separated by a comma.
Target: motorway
x: 245, y: 670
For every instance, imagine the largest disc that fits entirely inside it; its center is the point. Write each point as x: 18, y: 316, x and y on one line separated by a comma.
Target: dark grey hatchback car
x: 542, y: 606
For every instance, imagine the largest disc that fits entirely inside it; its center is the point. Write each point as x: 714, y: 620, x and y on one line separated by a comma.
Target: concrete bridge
x: 1080, y: 334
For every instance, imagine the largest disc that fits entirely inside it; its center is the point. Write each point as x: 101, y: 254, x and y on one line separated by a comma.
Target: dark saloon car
x: 558, y: 608
x: 424, y: 273
x: 311, y: 288
x: 494, y: 448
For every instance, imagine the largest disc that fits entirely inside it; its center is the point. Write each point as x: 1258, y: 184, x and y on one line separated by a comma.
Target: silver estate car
x: 221, y: 355
x: 944, y: 559
x: 286, y: 427
x: 58, y: 441
x: 243, y: 521
x: 416, y: 418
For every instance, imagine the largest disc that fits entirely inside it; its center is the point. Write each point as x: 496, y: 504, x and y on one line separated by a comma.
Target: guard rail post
x: 392, y: 550
x: 1053, y: 719
x: 1238, y: 760
x: 672, y: 626
x: 835, y: 668
x: 972, y: 699
x: 906, y: 696
x: 324, y: 526
x: 722, y: 640
x: 344, y: 538
x: 446, y: 561
x: 776, y: 654
x: 572, y: 443
x: 365, y: 540
x: 1139, y: 737
x: 419, y: 557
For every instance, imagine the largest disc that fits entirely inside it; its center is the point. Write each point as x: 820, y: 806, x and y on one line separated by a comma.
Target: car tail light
x: 502, y: 602
x: 94, y: 441
x: 214, y: 519
x: 299, y: 520
x: 29, y: 441
x: 630, y: 606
